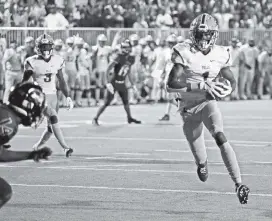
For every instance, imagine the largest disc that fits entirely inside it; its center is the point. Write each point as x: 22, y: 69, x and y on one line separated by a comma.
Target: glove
x: 70, y: 103
x: 41, y: 154
x: 217, y: 89
x: 110, y: 88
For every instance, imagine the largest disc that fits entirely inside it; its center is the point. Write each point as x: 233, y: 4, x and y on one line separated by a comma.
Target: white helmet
x: 180, y: 39
x: 69, y: 40
x: 86, y: 45
x: 58, y: 42
x: 134, y: 37
x: 102, y: 37
x: 79, y: 41
x: 171, y: 38
x: 149, y: 38
x: 29, y: 39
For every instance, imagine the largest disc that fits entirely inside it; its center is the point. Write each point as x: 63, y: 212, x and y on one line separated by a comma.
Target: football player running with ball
x: 26, y: 104
x: 121, y: 66
x: 194, y: 76
x: 44, y: 68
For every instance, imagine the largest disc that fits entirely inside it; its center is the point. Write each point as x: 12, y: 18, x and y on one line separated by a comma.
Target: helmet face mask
x: 46, y: 50
x: 204, y: 32
x: 44, y: 46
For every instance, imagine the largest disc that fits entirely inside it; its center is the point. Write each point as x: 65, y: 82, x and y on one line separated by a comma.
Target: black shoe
x: 68, y: 152
x: 166, y: 117
x: 202, y: 172
x: 95, y: 122
x: 242, y: 193
x: 132, y: 120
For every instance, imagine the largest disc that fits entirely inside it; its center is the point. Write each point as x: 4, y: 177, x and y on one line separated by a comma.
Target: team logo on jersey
x: 205, y: 67
x: 5, y: 130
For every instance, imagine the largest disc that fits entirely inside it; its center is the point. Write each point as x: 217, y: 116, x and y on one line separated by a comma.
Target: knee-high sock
x: 101, y: 110
x: 230, y: 161
x: 168, y: 108
x: 127, y: 109
x: 97, y: 94
x: 72, y: 93
x: 78, y: 95
x: 58, y: 134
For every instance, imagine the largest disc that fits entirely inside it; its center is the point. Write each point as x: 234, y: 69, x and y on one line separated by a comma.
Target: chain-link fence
x: 90, y: 34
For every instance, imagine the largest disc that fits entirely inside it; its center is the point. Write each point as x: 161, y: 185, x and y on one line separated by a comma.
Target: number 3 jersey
x: 198, y: 67
x: 45, y: 72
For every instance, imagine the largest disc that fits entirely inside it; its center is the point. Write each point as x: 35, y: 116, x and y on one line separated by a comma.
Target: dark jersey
x: 8, y: 124
x: 122, y: 67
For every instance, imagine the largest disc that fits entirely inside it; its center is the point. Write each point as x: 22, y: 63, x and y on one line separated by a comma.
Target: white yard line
x: 92, y: 168
x: 136, y: 189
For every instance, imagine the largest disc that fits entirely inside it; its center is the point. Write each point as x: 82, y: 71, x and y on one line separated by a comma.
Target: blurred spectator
x: 37, y: 10
x: 162, y: 14
x: 20, y: 17
x: 164, y: 19
x: 55, y: 19
x: 140, y: 23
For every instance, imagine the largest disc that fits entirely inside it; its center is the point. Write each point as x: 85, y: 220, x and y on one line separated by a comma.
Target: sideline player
x: 26, y: 104
x: 101, y: 57
x: 121, y: 66
x: 70, y: 65
x: 194, y: 76
x: 11, y: 64
x: 164, y: 67
x: 44, y: 68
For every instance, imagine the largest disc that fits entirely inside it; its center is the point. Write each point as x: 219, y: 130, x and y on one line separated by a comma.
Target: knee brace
x: 5, y: 192
x: 220, y: 138
x: 53, y: 119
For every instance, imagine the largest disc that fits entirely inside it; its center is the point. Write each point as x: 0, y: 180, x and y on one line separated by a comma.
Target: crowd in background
x: 134, y: 14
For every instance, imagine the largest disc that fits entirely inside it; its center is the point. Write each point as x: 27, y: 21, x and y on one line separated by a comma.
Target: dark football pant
x: 209, y: 115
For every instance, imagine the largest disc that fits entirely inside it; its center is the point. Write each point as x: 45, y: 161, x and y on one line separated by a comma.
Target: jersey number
x: 4, y: 128
x: 47, y: 77
x: 123, y: 71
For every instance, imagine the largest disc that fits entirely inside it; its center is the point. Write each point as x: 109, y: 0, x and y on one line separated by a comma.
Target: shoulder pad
x: 179, y: 53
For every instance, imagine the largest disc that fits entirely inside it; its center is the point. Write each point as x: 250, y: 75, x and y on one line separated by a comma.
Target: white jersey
x: 82, y: 61
x: 70, y: 59
x: 197, y: 67
x: 137, y: 52
x: 251, y: 55
x: 45, y: 72
x: 235, y: 54
x: 163, y: 62
x: 265, y: 62
x: 102, y: 57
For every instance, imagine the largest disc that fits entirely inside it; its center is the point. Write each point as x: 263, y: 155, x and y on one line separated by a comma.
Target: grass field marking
x: 136, y: 189
x: 126, y: 170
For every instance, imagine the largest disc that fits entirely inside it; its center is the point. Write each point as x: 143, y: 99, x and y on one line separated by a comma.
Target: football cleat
x: 166, y: 117
x: 132, y: 120
x: 68, y: 152
x: 95, y: 122
x: 202, y: 171
x: 242, y: 193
